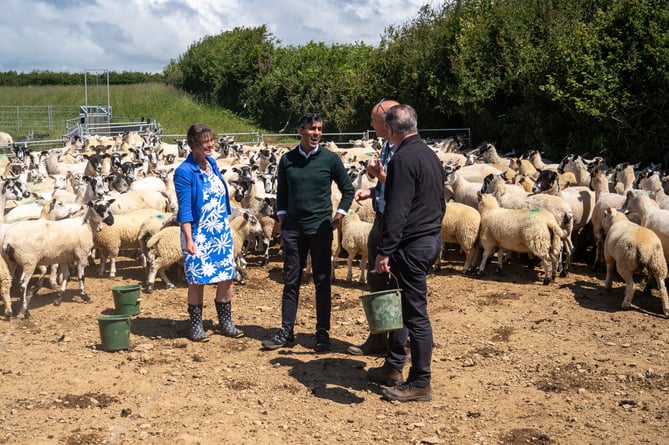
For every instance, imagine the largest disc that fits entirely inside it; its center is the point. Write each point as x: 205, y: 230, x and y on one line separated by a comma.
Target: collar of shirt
x: 311, y: 153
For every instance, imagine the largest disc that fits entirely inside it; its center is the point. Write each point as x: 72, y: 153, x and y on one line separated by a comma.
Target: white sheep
x: 138, y: 200
x: 532, y: 231
x: 603, y: 200
x: 463, y: 190
x: 496, y: 186
x: 124, y: 234
x: 650, y: 216
x: 354, y: 236
x: 28, y: 244
x: 631, y: 249
x: 150, y: 227
x: 581, y: 199
x: 652, y: 182
x: 461, y: 225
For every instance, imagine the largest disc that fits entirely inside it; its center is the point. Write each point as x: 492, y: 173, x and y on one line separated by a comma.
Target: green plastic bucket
x: 383, y: 310
x: 126, y: 299
x: 114, y: 332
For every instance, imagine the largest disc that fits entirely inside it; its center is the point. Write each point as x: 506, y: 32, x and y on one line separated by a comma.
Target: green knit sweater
x: 304, y: 187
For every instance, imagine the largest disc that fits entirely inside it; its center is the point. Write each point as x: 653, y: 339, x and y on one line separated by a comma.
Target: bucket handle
x: 392, y: 275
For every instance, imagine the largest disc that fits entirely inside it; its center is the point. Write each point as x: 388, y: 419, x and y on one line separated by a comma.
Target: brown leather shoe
x: 375, y: 344
x: 407, y: 392
x: 385, y: 375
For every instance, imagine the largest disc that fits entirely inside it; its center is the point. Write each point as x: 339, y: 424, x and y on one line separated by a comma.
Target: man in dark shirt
x: 411, y: 243
x: 304, y: 207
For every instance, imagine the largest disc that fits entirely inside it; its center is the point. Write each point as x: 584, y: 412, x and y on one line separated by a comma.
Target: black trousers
x: 297, y: 243
x: 410, y: 264
x: 377, y: 281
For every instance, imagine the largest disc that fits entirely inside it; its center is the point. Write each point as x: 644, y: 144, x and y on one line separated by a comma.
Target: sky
x: 145, y: 35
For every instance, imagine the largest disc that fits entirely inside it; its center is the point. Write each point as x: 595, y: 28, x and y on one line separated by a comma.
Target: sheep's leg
x: 103, y: 263
x: 363, y: 268
x: 166, y: 280
x: 349, y: 263
x: 40, y: 280
x: 608, y: 281
x: 26, y: 296
x: 567, y: 249
x: 66, y: 276
x: 8, y: 301
x: 629, y: 292
x: 486, y: 255
x: 112, y: 265
x: 82, y: 281
x: 549, y: 269
x: 500, y: 260
x: 663, y: 294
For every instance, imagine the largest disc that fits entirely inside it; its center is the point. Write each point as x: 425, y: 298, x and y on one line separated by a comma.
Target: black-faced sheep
x: 28, y: 244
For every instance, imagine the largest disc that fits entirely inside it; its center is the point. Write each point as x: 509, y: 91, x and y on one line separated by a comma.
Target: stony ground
x: 514, y: 362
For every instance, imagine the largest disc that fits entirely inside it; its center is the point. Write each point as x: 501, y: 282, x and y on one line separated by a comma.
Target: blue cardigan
x: 188, y: 184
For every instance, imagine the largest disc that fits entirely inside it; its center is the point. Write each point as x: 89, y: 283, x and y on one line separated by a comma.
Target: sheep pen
x: 514, y: 362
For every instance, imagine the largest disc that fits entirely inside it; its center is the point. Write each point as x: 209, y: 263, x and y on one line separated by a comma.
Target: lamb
x: 631, y: 248
x: 461, y: 225
x: 354, y: 235
x: 650, y: 216
x: 28, y: 244
x: 124, y: 234
x: 164, y: 249
x: 534, y: 231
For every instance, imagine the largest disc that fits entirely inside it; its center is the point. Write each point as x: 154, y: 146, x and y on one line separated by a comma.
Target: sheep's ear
x: 479, y: 195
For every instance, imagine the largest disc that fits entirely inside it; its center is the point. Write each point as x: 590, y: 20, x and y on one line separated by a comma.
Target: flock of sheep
x: 98, y: 196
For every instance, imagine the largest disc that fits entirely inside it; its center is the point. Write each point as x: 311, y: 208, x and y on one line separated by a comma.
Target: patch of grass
x: 172, y: 108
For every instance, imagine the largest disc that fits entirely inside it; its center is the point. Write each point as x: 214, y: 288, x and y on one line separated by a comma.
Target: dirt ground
x: 514, y: 362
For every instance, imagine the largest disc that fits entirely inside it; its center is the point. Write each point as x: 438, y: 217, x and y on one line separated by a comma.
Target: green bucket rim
x: 125, y: 287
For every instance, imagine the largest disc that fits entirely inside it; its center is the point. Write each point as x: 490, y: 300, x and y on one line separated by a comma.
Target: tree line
x: 45, y: 77
x: 559, y: 76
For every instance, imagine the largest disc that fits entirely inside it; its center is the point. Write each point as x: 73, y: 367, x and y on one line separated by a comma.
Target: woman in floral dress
x: 206, y: 238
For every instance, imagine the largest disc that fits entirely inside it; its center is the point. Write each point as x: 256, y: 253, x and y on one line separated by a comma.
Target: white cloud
x: 144, y: 35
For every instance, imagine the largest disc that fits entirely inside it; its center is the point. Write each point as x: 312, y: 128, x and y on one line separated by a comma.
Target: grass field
x: 173, y: 109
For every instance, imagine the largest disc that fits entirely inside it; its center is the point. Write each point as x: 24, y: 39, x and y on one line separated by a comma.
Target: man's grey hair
x: 402, y: 119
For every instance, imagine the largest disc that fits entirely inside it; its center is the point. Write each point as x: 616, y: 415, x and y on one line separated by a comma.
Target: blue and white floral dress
x: 214, y: 259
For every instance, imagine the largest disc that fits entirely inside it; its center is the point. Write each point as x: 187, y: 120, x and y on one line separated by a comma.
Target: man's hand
x: 382, y: 264
x: 362, y: 194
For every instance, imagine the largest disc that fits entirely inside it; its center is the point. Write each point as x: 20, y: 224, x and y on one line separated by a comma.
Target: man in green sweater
x: 304, y: 207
